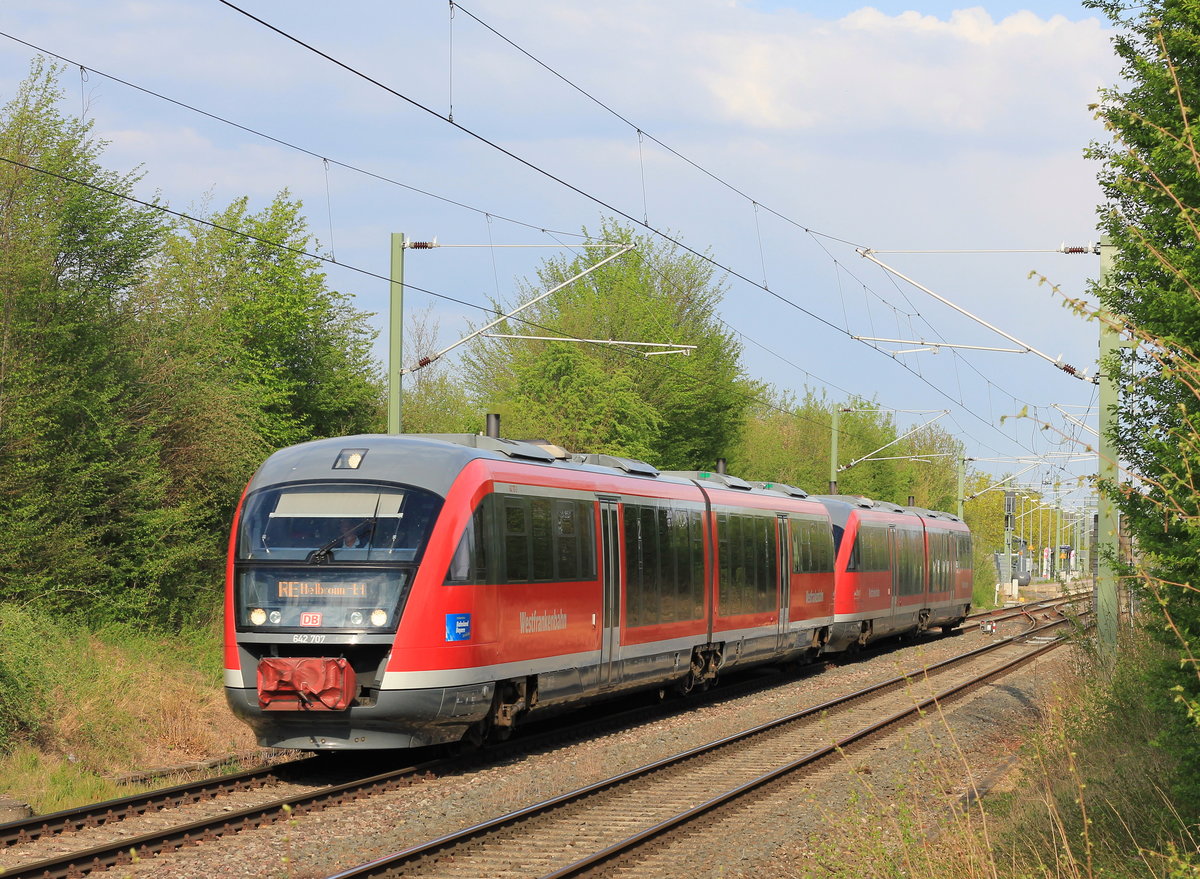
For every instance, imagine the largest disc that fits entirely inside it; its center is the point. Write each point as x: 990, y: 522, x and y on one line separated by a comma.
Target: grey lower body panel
x: 397, y: 719
x: 433, y: 712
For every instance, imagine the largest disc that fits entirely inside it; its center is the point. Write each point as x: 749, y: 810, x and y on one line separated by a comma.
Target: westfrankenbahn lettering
x: 542, y: 622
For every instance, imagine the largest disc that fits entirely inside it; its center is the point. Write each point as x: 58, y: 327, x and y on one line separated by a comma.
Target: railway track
x: 584, y: 830
x: 225, y: 805
x: 1027, y: 609
x: 98, y: 814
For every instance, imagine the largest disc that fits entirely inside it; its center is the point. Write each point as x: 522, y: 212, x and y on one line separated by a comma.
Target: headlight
x: 378, y: 617
x: 356, y: 618
x: 258, y: 616
x: 276, y: 616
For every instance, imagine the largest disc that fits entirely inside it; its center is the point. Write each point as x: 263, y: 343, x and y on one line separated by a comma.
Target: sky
x: 782, y: 138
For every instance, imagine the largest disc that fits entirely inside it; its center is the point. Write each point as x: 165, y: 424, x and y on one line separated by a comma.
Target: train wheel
x: 473, y: 738
x: 499, y: 734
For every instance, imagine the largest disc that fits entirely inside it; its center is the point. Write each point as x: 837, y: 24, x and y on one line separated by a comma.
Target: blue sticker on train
x: 458, y: 627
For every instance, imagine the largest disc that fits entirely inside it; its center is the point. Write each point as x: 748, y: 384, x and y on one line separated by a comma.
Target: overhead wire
x: 695, y: 380
x: 326, y: 161
x: 814, y: 234
x: 717, y: 178
x: 725, y: 183
x: 732, y: 188
x: 382, y: 178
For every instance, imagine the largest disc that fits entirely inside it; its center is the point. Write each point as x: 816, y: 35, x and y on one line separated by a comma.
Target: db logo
x: 309, y: 618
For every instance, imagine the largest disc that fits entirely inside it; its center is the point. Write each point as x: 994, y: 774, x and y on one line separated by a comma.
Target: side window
x: 516, y: 539
x: 870, y: 551
x: 470, y: 561
x: 566, y: 539
x: 749, y: 563
x: 767, y: 573
x: 664, y: 563
x: 520, y: 539
x: 542, y: 539
x: 854, y: 561
x: 812, y: 546
x: 911, y: 561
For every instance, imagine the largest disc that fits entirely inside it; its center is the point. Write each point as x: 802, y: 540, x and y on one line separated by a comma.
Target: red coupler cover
x: 305, y: 684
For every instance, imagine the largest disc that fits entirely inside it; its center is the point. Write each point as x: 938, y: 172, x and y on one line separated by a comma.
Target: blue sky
x: 947, y: 127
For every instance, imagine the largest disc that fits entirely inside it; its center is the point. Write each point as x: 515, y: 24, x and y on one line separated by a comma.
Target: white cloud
x: 870, y: 72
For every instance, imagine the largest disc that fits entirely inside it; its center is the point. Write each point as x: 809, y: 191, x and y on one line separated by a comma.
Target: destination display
x: 310, y: 589
x: 275, y: 598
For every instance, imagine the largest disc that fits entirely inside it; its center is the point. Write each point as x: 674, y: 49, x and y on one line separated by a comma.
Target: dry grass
x: 115, y: 702
x: 1080, y: 794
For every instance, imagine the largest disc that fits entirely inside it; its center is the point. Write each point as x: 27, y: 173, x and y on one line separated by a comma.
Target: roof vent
x: 512, y: 448
x: 629, y: 465
x: 723, y: 479
x: 782, y: 488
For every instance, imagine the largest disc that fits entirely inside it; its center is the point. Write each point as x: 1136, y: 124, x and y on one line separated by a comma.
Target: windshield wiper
x: 319, y: 556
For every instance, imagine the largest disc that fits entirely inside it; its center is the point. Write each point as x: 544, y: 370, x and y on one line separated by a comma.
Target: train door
x: 894, y: 555
x: 785, y: 579
x: 610, y: 623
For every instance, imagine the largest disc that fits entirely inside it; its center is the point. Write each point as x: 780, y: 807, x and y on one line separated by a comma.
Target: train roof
x: 935, y: 514
x: 841, y: 505
x: 429, y: 461
x: 433, y: 462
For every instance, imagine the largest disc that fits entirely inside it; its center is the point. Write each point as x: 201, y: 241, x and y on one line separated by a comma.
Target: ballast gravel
x: 783, y: 835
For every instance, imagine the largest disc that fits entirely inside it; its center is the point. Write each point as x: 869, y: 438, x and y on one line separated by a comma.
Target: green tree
x: 298, y: 351
x: 244, y: 349
x: 86, y: 518
x: 1151, y: 182
x: 789, y: 440
x: 691, y: 408
x: 786, y: 440
x: 570, y: 395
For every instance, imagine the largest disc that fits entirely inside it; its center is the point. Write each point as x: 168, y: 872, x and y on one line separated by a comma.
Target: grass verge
x: 1087, y: 797
x: 79, y: 707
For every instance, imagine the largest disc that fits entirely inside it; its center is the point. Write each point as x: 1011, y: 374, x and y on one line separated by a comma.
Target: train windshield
x: 336, y: 524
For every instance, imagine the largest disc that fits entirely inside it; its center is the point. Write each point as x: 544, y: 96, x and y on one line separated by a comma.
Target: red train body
x: 397, y: 591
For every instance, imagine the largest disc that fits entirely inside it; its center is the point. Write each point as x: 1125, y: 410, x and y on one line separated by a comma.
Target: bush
x: 1098, y: 786
x: 25, y: 675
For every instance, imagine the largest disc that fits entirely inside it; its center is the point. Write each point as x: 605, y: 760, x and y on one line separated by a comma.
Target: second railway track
x: 582, y: 830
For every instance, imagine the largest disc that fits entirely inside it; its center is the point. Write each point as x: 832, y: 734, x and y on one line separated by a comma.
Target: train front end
x: 325, y: 551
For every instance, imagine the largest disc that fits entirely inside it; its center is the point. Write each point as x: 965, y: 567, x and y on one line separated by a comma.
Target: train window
x: 854, y: 560
x: 470, y: 561
x: 664, y: 563
x: 542, y: 543
x: 522, y: 539
x: 566, y: 514
x: 812, y: 546
x: 516, y: 539
x: 870, y: 551
x: 964, y: 561
x: 748, y: 567
x: 343, y: 522
x: 687, y: 539
x: 910, y: 562
x: 941, y: 561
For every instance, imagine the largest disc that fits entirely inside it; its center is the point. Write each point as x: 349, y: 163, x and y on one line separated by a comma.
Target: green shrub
x: 25, y: 674
x: 1098, y: 791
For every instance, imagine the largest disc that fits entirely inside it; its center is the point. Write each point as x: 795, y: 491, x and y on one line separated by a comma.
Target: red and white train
x: 399, y: 591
